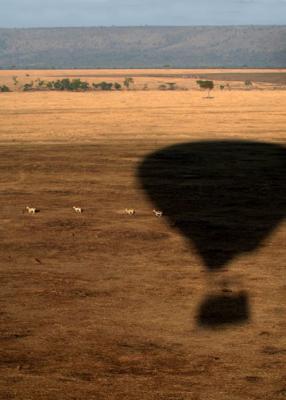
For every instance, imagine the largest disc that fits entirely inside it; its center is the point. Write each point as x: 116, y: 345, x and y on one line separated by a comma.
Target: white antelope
x: 78, y: 209
x: 158, y: 213
x: 31, y: 210
x: 129, y: 211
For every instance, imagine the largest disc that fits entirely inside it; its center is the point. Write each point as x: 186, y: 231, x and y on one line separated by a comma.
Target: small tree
x: 248, y: 84
x: 127, y: 82
x: 221, y: 87
x: 209, y: 85
x: 15, y: 80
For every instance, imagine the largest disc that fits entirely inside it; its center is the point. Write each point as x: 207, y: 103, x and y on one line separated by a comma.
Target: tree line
x: 77, y: 85
x: 66, y: 84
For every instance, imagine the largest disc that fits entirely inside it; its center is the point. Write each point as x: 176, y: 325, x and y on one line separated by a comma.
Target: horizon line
x: 146, y: 26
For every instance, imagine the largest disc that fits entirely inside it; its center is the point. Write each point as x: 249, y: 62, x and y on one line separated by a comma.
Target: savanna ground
x: 103, y: 305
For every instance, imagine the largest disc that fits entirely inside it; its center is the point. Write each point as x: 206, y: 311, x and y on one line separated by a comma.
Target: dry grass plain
x: 103, y: 305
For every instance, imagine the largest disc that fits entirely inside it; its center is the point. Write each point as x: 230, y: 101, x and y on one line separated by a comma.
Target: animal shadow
x: 225, y: 197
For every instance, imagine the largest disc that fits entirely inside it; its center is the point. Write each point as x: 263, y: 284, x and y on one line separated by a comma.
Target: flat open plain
x: 103, y: 305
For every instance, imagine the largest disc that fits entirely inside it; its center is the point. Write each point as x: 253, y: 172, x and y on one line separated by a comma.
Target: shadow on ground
x: 225, y: 197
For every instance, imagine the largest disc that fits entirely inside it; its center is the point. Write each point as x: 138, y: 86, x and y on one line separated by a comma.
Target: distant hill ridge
x: 131, y: 47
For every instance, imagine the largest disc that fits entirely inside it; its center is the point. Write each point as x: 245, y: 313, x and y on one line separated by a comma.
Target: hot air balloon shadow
x: 225, y: 197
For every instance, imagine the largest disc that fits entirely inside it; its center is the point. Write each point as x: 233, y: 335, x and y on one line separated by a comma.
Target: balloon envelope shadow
x: 223, y: 196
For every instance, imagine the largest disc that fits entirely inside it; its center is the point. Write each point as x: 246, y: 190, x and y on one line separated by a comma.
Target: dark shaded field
x: 106, y: 306
x: 276, y: 78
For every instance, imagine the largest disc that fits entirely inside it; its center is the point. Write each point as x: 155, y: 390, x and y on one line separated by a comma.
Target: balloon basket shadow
x: 219, y: 311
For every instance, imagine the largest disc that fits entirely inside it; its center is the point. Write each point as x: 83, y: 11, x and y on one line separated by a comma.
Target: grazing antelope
x: 158, y: 213
x: 31, y: 210
x: 129, y: 211
x: 77, y: 209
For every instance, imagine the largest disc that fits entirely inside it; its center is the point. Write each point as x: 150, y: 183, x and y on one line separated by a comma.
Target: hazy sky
x: 40, y: 13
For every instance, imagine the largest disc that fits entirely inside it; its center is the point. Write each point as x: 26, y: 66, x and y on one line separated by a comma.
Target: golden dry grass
x: 81, y: 117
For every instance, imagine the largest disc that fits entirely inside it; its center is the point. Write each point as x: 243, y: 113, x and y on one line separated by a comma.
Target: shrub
x: 103, y: 85
x: 4, y: 88
x: 248, y: 84
x: 41, y: 84
x: 172, y: 85
x: 28, y: 86
x: 117, y: 86
x: 49, y: 85
x: 77, y: 84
